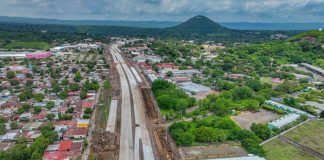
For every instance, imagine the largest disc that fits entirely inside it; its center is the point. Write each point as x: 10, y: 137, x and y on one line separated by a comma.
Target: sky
x: 168, y: 10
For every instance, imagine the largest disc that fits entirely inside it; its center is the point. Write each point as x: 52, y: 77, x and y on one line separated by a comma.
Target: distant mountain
x: 198, y: 28
x: 273, y: 26
x: 200, y: 24
x: 164, y: 24
x: 140, y: 24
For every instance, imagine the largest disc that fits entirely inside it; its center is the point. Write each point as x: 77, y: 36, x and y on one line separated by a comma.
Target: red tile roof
x: 86, y: 104
x: 56, y: 155
x: 76, y: 131
x: 65, y: 145
x: 165, y: 65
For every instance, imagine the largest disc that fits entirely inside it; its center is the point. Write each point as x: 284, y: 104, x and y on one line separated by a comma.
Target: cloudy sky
x: 170, y: 10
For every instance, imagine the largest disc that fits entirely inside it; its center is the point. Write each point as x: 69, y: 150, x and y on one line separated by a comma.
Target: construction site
x: 128, y: 122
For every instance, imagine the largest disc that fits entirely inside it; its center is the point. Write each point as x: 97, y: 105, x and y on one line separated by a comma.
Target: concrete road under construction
x: 131, y: 145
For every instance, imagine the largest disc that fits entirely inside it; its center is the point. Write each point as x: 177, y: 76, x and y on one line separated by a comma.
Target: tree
x: 86, y: 116
x: 322, y: 114
x: 253, y: 84
x: 11, y: 75
x: 222, y: 106
x: 26, y: 107
x: 50, y: 116
x: 106, y: 84
x: 88, y: 111
x: 205, y: 134
x: 70, y: 110
x: 261, y: 130
x: 77, y: 77
x: 50, y: 105
x: 169, y: 74
x: 63, y: 94
x: 83, y: 94
x: 2, y: 119
x: 2, y: 128
x: 29, y: 75
x: 242, y: 93
x: 39, y: 97
x: 65, y: 82
x: 290, y: 101
x: 25, y: 95
x: 56, y: 87
x: 14, y: 125
x: 185, y: 139
x: 14, y: 82
x: 29, y: 83
x: 181, y: 104
x: 74, y: 87
x: 37, y: 109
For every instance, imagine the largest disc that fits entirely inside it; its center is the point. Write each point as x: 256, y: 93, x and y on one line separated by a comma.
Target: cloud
x: 174, y: 10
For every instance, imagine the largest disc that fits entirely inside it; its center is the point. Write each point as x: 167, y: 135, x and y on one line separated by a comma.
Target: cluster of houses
x: 80, y: 46
x: 71, y: 131
x: 182, y: 76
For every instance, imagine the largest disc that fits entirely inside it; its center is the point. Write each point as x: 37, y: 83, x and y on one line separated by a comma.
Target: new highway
x: 130, y: 147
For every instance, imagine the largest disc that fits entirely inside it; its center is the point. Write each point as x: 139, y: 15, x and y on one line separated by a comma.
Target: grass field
x: 310, y: 134
x: 278, y: 150
x: 28, y: 45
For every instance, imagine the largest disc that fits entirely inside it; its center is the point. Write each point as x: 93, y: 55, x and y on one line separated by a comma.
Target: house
x: 283, y: 121
x: 287, y: 108
x: 11, y: 105
x: 87, y: 104
x: 8, y: 137
x: 76, y: 133
x: 83, y: 122
x: 181, y: 79
x: 191, y: 87
x: 30, y: 126
x: 25, y: 116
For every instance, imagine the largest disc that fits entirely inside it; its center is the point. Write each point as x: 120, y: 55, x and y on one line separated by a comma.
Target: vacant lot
x: 213, y: 151
x: 276, y: 149
x: 246, y: 118
x: 310, y: 134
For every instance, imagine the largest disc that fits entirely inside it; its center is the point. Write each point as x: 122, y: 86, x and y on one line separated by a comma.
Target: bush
x: 14, y: 125
x: 86, y: 116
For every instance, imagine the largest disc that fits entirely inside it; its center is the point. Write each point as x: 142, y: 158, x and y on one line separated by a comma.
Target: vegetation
x: 276, y: 149
x: 170, y: 98
x: 34, y: 151
x: 27, y: 45
x: 214, y: 130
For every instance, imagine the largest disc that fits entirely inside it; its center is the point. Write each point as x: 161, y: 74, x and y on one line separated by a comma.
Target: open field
x: 246, y: 118
x: 310, y: 134
x: 276, y: 149
x: 28, y: 45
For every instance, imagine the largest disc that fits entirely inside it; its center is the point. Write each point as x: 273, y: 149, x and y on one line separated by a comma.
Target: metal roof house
x: 193, y: 87
x: 314, y: 69
x: 283, y: 120
x: 288, y: 108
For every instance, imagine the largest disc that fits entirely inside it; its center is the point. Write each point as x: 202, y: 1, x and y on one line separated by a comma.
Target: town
x: 161, y: 80
x: 64, y: 99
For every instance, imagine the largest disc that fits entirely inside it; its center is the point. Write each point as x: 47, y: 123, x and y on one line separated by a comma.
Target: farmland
x: 277, y: 149
x: 311, y: 134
